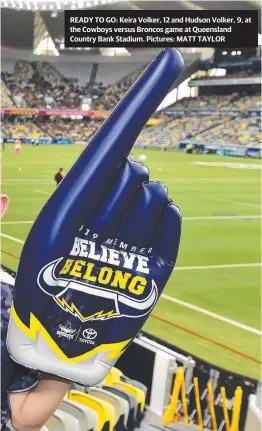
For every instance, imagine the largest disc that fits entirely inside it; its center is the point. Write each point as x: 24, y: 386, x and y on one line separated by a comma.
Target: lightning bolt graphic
x: 99, y: 315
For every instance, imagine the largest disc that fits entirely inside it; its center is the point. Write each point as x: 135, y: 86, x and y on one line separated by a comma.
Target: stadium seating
x: 39, y: 84
x: 175, y: 130
x: 137, y: 392
x: 132, y: 402
x: 87, y: 418
x: 220, y: 102
x: 114, y: 92
x: 105, y: 411
x: 126, y: 396
x: 6, y: 101
x: 73, y: 129
x: 22, y: 130
x: 205, y: 102
x: 238, y: 130
x: 120, y: 405
x: 63, y: 421
x: 115, y: 378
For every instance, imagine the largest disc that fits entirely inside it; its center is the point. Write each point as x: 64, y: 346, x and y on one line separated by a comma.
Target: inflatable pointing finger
x: 101, y: 250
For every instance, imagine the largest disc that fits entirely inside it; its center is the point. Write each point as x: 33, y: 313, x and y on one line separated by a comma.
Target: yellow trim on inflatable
x: 116, y: 349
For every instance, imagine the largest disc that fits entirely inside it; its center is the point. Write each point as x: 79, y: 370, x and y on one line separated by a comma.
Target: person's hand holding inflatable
x: 101, y: 250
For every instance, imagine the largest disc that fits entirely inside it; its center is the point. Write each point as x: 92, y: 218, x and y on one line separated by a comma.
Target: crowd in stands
x: 206, y: 102
x: 39, y: 85
x: 76, y: 130
x: 216, y: 130
x: 6, y: 101
x: 215, y: 102
x: 172, y: 132
x: 114, y: 92
x: 46, y: 128
x: 235, y: 131
x: 22, y: 129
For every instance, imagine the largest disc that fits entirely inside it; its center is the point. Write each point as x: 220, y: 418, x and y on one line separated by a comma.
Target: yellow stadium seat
x: 105, y: 411
x: 138, y: 393
x: 87, y: 418
x: 114, y: 375
x: 120, y: 405
x: 62, y: 421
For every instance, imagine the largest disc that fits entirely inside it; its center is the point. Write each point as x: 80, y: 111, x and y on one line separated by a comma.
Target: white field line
x: 12, y: 238
x: 42, y: 193
x: 223, y: 217
x: 186, y: 304
x: 17, y: 180
x: 230, y: 265
x: 211, y: 314
x: 184, y: 218
x: 17, y: 222
x: 221, y: 179
x: 236, y: 202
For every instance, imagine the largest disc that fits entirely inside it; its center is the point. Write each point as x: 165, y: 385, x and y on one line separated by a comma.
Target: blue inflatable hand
x: 101, y: 250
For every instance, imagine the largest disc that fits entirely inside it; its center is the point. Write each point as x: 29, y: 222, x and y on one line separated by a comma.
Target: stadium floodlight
x: 233, y: 53
x: 238, y: 52
x: 224, y: 53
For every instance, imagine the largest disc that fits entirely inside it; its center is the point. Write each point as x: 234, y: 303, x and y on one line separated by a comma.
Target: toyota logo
x: 89, y: 334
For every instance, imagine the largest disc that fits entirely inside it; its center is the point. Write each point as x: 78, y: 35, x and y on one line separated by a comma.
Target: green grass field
x: 221, y: 227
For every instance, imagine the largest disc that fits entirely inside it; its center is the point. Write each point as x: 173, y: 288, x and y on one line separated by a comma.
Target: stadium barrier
x: 159, y: 362
x: 60, y: 141
x: 209, y: 112
x: 104, y: 114
x: 76, y: 114
x: 177, y: 410
x: 224, y: 149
